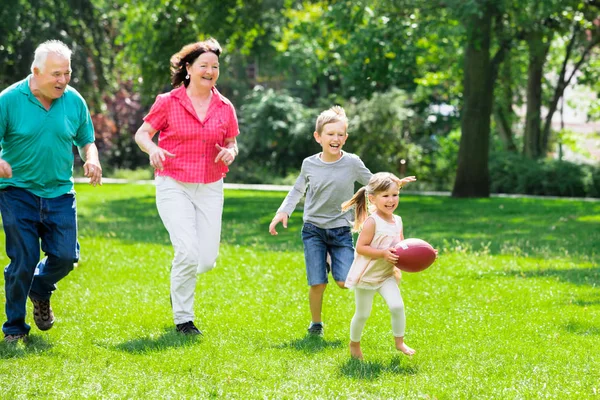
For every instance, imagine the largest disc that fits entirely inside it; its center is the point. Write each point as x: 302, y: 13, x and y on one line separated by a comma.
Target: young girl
x: 373, y: 268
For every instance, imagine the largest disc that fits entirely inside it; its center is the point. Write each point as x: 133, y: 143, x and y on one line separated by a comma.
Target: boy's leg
x: 342, y: 253
x: 315, y: 257
x: 315, y: 300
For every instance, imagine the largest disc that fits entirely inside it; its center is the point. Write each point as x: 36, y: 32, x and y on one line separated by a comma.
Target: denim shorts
x: 317, y: 243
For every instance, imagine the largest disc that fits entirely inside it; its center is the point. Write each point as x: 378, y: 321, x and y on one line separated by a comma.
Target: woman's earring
x: 187, y: 76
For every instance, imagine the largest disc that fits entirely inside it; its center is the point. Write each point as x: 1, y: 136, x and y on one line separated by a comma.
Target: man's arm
x: 91, y: 166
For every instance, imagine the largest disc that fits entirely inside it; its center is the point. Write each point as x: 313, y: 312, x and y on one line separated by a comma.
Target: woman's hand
x: 158, y: 156
x: 226, y: 155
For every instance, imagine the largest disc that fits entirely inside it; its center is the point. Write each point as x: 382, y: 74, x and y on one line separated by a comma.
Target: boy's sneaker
x: 188, y: 328
x: 42, y: 314
x: 315, y: 329
x: 15, y: 338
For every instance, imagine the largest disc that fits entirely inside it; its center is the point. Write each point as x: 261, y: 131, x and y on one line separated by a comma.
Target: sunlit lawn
x: 511, y: 309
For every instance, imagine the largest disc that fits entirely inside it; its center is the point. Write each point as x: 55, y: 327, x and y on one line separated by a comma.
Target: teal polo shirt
x: 38, y: 143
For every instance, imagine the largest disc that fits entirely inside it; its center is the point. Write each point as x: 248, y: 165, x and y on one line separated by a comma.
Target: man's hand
x: 93, y: 170
x: 5, y: 169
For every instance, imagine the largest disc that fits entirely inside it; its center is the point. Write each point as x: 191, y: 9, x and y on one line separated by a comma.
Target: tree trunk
x: 472, y: 174
x: 502, y: 116
x: 533, y: 123
x: 564, y: 81
x: 503, y: 112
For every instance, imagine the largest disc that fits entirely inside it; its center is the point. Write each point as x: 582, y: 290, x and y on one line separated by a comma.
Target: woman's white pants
x: 191, y: 213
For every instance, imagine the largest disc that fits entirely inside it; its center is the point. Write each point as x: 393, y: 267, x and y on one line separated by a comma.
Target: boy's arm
x: 363, y: 174
x: 289, y: 203
x: 293, y: 197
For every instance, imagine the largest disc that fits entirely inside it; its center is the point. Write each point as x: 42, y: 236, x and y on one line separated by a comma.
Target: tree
x: 569, y: 26
x: 78, y: 23
x: 472, y: 175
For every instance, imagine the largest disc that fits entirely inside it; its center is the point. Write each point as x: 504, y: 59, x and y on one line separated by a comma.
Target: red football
x: 414, y: 255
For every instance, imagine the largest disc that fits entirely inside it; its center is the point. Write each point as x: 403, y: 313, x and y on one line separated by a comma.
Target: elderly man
x: 41, y: 117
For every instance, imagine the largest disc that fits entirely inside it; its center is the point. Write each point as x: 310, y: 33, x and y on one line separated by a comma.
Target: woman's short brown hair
x: 187, y: 55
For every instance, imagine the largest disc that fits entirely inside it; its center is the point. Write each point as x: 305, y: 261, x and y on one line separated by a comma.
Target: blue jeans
x: 317, y: 243
x: 27, y: 219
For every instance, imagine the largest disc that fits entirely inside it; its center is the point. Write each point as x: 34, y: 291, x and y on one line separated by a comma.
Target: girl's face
x: 386, y: 202
x: 204, y: 71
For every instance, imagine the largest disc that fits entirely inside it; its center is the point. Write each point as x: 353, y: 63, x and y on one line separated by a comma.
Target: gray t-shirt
x: 329, y: 185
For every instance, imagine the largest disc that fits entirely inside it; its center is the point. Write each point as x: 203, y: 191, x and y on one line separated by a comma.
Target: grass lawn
x: 510, y: 310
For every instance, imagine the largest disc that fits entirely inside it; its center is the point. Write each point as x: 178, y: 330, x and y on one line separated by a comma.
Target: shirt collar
x: 181, y: 94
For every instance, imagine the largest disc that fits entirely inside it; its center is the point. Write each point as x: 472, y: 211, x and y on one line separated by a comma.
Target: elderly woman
x: 196, y: 145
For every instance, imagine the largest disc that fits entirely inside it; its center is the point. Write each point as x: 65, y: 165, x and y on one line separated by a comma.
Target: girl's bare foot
x: 401, y: 346
x: 355, y: 351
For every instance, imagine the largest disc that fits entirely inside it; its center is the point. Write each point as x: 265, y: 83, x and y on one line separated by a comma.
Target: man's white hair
x: 50, y: 46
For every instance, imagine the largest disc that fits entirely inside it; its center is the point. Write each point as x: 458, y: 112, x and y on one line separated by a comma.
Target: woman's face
x: 204, y: 71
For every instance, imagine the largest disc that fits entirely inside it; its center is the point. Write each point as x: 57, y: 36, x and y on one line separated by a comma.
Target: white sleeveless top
x: 369, y: 273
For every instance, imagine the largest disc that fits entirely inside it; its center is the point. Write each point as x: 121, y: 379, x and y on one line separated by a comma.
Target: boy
x: 329, y: 177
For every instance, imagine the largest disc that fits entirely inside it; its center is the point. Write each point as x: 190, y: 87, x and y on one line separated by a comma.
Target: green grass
x: 510, y: 310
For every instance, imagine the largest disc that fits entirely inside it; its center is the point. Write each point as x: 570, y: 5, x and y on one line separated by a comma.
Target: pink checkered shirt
x: 191, y: 140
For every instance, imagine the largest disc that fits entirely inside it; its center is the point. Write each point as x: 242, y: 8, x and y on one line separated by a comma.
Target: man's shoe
x: 315, y: 329
x: 188, y: 328
x: 42, y: 314
x: 15, y: 338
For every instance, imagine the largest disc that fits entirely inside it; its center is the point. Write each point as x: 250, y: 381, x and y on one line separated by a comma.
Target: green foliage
x: 390, y: 133
x: 349, y: 48
x: 379, y: 132
x: 276, y: 135
x: 515, y: 173
x: 78, y: 23
x: 152, y: 31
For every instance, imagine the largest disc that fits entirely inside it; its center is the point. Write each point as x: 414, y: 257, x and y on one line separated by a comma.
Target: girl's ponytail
x: 359, y: 202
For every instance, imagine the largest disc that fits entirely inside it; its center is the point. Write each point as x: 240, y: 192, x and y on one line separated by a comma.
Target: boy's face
x: 331, y: 140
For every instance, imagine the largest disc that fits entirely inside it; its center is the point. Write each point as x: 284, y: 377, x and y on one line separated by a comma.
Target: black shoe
x: 315, y: 329
x: 188, y: 328
x: 15, y: 338
x: 42, y: 314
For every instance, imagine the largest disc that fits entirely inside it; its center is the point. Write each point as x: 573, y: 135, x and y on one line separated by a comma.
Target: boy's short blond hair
x: 334, y: 114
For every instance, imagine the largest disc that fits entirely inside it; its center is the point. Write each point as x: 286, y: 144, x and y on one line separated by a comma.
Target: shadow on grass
x: 576, y: 276
x: 310, y: 344
x: 246, y: 218
x: 583, y: 329
x: 35, y: 345
x: 371, y: 370
x: 586, y: 303
x: 169, y: 339
x: 498, y: 224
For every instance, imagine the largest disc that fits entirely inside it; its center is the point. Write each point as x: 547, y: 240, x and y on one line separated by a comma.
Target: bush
x: 277, y: 134
x: 515, y: 173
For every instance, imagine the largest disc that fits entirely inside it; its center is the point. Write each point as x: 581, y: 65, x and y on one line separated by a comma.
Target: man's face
x: 54, y: 76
